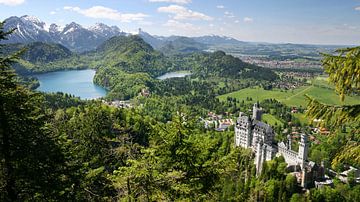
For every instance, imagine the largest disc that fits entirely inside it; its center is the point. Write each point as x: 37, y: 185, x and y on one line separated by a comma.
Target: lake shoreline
x: 75, y: 82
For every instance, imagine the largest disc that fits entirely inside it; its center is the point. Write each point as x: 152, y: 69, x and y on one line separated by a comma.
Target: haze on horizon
x: 275, y: 21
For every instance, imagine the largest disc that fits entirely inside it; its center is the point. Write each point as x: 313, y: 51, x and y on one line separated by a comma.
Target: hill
x: 130, y: 54
x: 39, y: 52
x: 219, y: 64
x: 43, y: 57
x: 182, y: 45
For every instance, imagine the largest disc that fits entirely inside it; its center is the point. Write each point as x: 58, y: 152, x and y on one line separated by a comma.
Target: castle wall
x: 291, y: 157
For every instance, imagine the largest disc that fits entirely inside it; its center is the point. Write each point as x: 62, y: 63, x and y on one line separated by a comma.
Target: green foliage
x: 39, y: 52
x: 61, y: 101
x: 334, y: 116
x: 30, y: 159
x: 43, y: 57
x: 130, y: 54
x: 344, y: 70
x: 219, y: 64
x: 122, y: 85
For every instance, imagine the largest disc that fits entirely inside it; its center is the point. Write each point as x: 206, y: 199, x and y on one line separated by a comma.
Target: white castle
x: 259, y: 137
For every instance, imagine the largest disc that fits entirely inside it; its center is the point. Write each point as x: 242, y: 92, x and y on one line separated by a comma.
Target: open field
x: 271, y: 120
x: 292, y: 97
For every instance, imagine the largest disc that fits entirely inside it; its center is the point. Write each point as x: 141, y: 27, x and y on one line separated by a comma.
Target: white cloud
x: 182, y: 13
x: 71, y: 8
x: 357, y: 8
x: 101, y: 12
x: 173, y: 1
x: 237, y: 21
x: 12, y: 2
x: 229, y: 14
x: 220, y: 7
x: 248, y: 20
x: 52, y: 12
x: 179, y: 25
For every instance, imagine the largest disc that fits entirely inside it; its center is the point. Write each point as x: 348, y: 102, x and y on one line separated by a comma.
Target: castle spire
x: 257, y: 112
x: 289, y: 141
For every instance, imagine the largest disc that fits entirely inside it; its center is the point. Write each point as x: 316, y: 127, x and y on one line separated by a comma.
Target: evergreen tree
x: 30, y: 160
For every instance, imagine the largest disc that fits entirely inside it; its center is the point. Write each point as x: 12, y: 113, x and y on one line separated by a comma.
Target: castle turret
x: 303, y: 151
x: 243, y: 131
x: 257, y: 112
x: 289, y: 142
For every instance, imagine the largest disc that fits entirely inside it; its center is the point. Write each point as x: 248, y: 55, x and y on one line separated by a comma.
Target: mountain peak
x: 34, y: 20
x: 54, y: 28
x: 74, y: 25
x: 105, y: 30
x: 31, y: 18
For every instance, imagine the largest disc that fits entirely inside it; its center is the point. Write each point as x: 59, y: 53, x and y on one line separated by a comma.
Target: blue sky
x: 284, y: 21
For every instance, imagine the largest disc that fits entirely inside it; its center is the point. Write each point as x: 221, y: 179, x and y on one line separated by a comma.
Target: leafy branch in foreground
x: 350, y: 154
x: 344, y: 70
x: 344, y: 73
x: 333, y: 115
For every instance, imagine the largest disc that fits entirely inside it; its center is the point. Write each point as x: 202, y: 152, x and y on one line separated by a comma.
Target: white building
x: 259, y: 137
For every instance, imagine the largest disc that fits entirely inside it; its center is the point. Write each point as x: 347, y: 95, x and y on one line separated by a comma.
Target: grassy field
x: 292, y: 97
x: 271, y: 120
x: 301, y: 117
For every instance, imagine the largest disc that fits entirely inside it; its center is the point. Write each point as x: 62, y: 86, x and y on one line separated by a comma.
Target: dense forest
x: 56, y: 147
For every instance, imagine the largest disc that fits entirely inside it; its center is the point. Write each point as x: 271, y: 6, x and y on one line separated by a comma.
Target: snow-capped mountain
x: 105, y: 30
x: 73, y: 36
x: 78, y: 38
x: 28, y: 29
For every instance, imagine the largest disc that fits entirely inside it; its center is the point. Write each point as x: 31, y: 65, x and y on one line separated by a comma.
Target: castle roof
x: 261, y: 125
x: 243, y: 118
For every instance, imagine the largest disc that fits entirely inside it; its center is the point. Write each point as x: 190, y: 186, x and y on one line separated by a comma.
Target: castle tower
x: 289, y: 142
x: 248, y: 134
x: 243, y: 131
x: 303, y: 151
x: 257, y: 112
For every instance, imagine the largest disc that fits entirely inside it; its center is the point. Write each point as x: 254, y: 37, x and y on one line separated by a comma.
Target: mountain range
x: 81, y: 39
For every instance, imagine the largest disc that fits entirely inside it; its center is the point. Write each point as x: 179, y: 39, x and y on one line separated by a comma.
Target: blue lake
x: 174, y: 75
x: 75, y: 82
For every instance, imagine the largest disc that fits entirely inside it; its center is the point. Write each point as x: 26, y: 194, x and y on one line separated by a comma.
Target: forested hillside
x: 56, y: 147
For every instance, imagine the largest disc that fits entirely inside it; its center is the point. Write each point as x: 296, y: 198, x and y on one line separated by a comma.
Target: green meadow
x: 292, y: 97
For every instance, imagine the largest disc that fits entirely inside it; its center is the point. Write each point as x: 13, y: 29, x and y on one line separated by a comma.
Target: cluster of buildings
x: 280, y: 64
x: 119, y: 103
x: 217, y: 122
x: 251, y: 132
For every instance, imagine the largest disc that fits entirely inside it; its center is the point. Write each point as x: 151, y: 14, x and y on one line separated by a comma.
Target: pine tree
x: 28, y: 156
